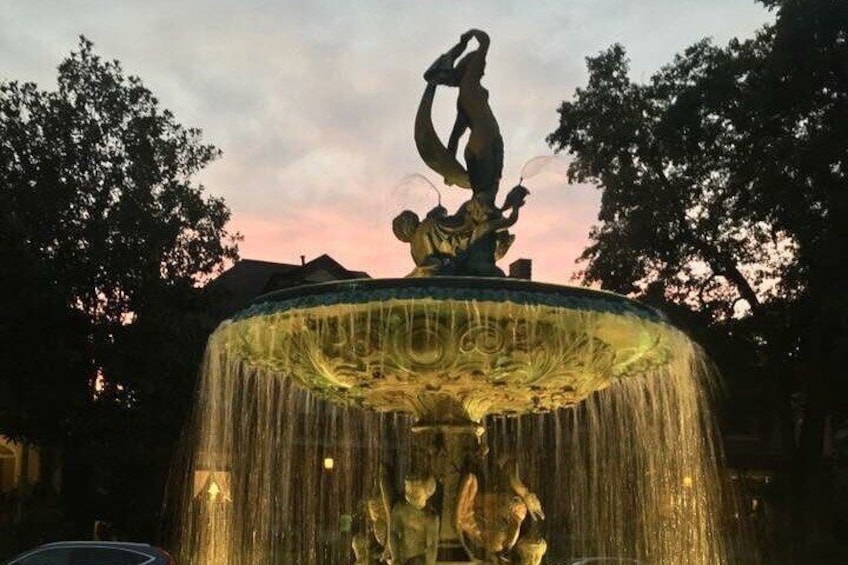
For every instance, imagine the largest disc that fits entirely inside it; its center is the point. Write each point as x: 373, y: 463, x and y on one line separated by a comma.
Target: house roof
x: 250, y: 278
x: 320, y: 269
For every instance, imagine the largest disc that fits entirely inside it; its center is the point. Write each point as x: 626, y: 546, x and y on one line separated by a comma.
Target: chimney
x: 302, y: 260
x: 520, y: 269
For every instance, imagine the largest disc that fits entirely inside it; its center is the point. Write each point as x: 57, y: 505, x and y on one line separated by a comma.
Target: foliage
x: 44, y: 349
x: 97, y: 180
x: 105, y: 240
x: 663, y: 153
x: 725, y: 200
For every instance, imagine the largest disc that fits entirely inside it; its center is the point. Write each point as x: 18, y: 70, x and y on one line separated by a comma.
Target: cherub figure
x: 489, y: 523
x: 466, y: 243
x: 413, y: 528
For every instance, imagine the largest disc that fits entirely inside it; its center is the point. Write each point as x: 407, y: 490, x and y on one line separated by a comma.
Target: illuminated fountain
x: 453, y: 416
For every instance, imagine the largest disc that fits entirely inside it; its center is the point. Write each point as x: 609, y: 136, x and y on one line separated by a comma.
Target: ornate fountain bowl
x: 451, y: 349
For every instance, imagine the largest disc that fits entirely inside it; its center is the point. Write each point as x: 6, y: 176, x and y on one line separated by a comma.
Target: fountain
x: 453, y: 416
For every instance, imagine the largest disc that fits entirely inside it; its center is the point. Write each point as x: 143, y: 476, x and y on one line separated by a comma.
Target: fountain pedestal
x: 448, y: 451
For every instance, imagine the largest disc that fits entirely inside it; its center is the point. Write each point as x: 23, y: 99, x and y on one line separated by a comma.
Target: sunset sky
x: 313, y: 102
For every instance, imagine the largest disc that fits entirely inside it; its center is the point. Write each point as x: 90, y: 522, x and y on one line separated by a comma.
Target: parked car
x: 93, y: 553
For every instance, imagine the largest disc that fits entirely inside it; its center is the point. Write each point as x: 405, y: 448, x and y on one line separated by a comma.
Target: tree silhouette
x: 105, y: 240
x: 725, y: 196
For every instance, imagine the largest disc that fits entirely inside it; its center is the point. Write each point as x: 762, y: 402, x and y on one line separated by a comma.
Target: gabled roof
x: 250, y: 278
x: 244, y: 281
x: 320, y: 269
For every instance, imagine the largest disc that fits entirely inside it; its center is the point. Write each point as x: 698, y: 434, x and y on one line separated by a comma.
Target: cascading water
x: 603, y: 405
x: 632, y: 471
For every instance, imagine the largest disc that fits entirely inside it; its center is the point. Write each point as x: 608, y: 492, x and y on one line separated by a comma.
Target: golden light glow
x: 213, y: 491
x: 393, y: 356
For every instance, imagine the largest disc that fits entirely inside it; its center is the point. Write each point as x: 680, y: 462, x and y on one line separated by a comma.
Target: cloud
x: 313, y: 102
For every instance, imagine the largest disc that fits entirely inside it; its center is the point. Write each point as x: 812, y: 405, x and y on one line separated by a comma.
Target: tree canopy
x: 724, y: 184
x: 104, y: 232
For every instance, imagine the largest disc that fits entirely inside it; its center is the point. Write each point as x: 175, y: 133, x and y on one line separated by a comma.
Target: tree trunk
x: 810, y: 481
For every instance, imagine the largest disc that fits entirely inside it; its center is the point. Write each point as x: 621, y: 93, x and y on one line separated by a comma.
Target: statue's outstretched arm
x: 477, y: 58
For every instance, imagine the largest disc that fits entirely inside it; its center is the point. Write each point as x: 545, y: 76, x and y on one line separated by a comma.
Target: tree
x: 724, y: 191
x: 43, y: 345
x: 105, y: 241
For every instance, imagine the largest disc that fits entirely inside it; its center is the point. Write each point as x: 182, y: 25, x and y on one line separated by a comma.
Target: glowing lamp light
x: 687, y: 482
x: 329, y: 463
x: 213, y: 491
x: 212, y: 486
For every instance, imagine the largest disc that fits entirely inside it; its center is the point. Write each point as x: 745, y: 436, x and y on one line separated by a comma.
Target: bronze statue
x: 434, y: 242
x: 469, y: 242
x: 413, y: 528
x: 490, y: 523
x: 484, y: 150
x: 466, y: 243
x: 489, y: 526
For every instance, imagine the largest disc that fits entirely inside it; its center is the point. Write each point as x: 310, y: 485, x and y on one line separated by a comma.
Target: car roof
x: 152, y: 553
x: 125, y: 544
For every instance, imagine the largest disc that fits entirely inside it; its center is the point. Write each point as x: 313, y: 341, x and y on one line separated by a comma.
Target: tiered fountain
x: 430, y: 419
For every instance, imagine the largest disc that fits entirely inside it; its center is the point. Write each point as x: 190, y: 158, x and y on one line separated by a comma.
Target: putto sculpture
x: 470, y: 241
x: 413, y: 527
x: 490, y: 522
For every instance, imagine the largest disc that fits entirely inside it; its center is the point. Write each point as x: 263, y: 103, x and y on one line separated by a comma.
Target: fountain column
x: 448, y: 451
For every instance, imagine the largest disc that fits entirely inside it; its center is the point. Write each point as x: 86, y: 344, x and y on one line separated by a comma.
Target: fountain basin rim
x: 490, y: 289
x: 448, y: 350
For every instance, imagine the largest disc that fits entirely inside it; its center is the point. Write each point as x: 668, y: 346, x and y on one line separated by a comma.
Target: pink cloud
x: 552, y: 232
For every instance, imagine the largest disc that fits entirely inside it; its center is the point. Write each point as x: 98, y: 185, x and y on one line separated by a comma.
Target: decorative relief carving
x: 490, y: 357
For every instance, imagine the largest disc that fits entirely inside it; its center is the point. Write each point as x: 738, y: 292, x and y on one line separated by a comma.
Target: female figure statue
x: 484, y: 150
x: 469, y: 242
